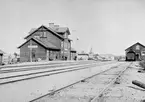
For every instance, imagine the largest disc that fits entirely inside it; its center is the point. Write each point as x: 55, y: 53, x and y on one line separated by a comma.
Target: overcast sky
x: 108, y: 26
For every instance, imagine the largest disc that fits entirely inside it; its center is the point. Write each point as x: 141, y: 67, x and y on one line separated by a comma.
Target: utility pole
x: 30, y: 51
x: 76, y: 47
x: 31, y: 47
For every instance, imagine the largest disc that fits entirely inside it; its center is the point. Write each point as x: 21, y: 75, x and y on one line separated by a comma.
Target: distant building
x: 73, y: 54
x: 106, y: 57
x: 91, y: 54
x: 83, y: 56
x: 6, y: 58
x: 47, y: 43
x: 135, y: 52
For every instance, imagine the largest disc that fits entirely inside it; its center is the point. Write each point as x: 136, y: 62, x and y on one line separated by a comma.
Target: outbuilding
x: 136, y: 52
x: 83, y: 56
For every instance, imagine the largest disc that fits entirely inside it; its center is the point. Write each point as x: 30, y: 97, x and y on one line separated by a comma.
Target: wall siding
x: 41, y: 52
x: 138, y: 51
x: 25, y: 52
x: 50, y: 37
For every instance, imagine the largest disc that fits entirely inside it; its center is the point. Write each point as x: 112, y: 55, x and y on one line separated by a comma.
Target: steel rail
x: 73, y: 68
x: 40, y: 67
x: 51, y: 93
x: 41, y: 71
x: 47, y: 70
x: 97, y: 98
x: 70, y: 70
x: 36, y: 64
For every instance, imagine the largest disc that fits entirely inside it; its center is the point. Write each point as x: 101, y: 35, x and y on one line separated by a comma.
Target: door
x: 33, y: 55
x: 137, y: 57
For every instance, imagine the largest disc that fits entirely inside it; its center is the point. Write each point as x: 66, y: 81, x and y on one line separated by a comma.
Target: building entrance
x: 137, y: 57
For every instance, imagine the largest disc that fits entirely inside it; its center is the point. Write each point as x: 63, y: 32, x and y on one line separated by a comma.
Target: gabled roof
x: 44, y: 43
x: 47, y: 28
x: 134, y: 45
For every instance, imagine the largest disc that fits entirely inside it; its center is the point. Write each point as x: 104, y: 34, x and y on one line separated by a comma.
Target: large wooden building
x: 47, y: 43
x: 135, y: 52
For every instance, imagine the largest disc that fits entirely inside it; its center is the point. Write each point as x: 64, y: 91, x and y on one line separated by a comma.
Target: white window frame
x: 137, y: 47
x: 143, y: 53
x: 44, y: 34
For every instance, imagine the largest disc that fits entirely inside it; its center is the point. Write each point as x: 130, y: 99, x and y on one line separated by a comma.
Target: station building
x: 137, y: 50
x: 47, y: 43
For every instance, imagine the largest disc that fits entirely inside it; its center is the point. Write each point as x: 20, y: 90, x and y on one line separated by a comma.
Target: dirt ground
x: 30, y: 89
x: 88, y: 89
x: 126, y: 91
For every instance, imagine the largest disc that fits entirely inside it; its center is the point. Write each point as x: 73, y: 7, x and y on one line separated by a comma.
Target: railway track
x: 98, y: 96
x: 34, y: 64
x: 22, y: 77
x: 42, y: 66
x: 11, y: 76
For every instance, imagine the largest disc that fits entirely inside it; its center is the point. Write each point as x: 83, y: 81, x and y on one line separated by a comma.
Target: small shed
x: 83, y: 56
x: 139, y: 51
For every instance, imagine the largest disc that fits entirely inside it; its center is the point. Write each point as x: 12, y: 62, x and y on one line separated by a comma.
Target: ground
x: 122, y: 91
x: 30, y: 89
x: 126, y: 91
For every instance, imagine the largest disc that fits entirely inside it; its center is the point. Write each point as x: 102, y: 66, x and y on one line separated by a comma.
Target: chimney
x: 51, y: 25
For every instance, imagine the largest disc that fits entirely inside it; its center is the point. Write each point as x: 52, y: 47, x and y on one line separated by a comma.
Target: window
x: 143, y: 53
x: 44, y: 34
x: 36, y: 37
x: 69, y: 45
x: 65, y: 45
x: 137, y: 47
x: 62, y: 44
x: 41, y: 34
x: 65, y: 35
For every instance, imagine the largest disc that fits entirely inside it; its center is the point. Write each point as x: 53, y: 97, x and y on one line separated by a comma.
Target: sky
x: 106, y: 26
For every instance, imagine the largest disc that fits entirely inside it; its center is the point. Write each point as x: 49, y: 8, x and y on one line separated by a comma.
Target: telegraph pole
x: 31, y: 47
x: 30, y: 51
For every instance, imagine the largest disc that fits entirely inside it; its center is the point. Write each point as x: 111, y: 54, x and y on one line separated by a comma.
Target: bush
x: 142, y: 64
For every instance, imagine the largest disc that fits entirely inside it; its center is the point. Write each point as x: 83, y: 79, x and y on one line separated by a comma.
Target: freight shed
x: 136, y: 52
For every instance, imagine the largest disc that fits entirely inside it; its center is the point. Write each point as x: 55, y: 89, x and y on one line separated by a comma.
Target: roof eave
x: 47, y: 29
